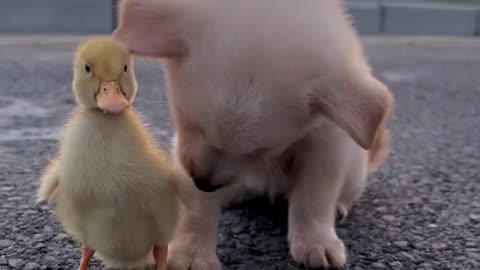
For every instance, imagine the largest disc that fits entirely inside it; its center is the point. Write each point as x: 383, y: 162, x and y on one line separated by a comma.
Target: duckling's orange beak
x: 110, y: 98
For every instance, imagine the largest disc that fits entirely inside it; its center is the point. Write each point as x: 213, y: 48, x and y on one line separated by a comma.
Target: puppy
x: 273, y: 96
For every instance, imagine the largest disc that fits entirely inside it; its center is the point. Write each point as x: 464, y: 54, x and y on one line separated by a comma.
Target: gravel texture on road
x: 421, y: 209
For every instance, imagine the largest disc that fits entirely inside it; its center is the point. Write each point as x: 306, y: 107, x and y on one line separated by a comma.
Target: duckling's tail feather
x: 49, y: 183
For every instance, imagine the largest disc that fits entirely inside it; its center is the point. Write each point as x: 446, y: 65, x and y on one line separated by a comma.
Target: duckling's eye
x: 125, y: 68
x: 87, y: 68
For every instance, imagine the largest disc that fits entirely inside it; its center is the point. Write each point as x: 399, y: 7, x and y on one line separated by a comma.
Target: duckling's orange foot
x: 87, y: 255
x: 160, y: 254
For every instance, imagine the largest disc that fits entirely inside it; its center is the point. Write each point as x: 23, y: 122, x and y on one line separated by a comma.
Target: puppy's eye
x: 125, y: 68
x: 87, y: 68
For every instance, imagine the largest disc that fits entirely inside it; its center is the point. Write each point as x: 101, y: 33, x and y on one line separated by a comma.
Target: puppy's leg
x: 361, y: 164
x: 195, y: 243
x: 354, y: 185
x: 320, y: 173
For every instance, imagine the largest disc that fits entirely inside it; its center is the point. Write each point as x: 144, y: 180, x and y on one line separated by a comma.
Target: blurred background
x: 458, y: 17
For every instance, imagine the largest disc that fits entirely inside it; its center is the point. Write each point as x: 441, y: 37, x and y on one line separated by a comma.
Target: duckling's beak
x: 110, y: 97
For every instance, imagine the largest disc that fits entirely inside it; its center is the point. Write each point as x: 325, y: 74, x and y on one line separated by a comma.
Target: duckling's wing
x: 162, y: 209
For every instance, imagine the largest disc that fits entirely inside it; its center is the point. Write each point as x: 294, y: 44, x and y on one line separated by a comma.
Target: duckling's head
x: 103, y: 75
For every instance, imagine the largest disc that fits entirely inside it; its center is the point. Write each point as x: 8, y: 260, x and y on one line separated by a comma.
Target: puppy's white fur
x: 274, y: 96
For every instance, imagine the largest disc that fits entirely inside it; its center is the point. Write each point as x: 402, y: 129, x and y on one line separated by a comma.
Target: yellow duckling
x: 114, y: 190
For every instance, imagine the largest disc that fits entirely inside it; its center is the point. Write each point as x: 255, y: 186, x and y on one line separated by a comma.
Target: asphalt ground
x: 421, y: 209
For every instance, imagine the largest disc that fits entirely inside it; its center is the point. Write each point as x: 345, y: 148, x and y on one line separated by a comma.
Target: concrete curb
x: 428, y: 19
x: 369, y: 17
x: 56, y: 16
x: 414, y: 18
x: 366, y: 16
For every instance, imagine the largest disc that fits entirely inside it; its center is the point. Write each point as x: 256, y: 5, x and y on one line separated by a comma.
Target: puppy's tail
x: 380, y: 149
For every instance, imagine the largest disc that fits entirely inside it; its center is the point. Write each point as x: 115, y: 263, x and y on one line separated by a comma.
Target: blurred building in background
x: 409, y: 17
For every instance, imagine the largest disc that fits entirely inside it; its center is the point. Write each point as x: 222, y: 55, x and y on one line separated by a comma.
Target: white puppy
x: 274, y: 96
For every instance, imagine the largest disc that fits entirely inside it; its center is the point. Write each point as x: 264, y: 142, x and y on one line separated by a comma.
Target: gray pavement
x: 421, y: 210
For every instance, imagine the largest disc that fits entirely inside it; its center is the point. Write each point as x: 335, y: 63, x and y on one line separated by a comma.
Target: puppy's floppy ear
x: 359, y: 106
x: 150, y: 28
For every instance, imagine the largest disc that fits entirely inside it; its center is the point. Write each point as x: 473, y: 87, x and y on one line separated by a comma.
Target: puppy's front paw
x: 192, y: 258
x: 318, y: 251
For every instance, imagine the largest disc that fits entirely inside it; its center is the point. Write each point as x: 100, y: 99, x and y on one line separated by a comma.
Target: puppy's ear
x: 151, y: 28
x: 358, y: 106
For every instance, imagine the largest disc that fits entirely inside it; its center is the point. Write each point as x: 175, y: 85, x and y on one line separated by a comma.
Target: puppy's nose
x: 204, y: 185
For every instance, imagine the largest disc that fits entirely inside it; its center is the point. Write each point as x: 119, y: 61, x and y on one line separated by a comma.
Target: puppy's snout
x: 204, y: 184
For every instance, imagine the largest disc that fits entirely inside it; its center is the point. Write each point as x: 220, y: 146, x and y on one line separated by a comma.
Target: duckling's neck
x: 99, y: 112
x: 98, y: 119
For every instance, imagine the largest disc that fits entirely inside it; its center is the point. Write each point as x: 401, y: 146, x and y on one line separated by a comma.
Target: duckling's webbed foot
x: 160, y: 254
x: 87, y: 255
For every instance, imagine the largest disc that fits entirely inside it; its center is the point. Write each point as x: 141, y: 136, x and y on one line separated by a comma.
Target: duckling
x: 115, y: 191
